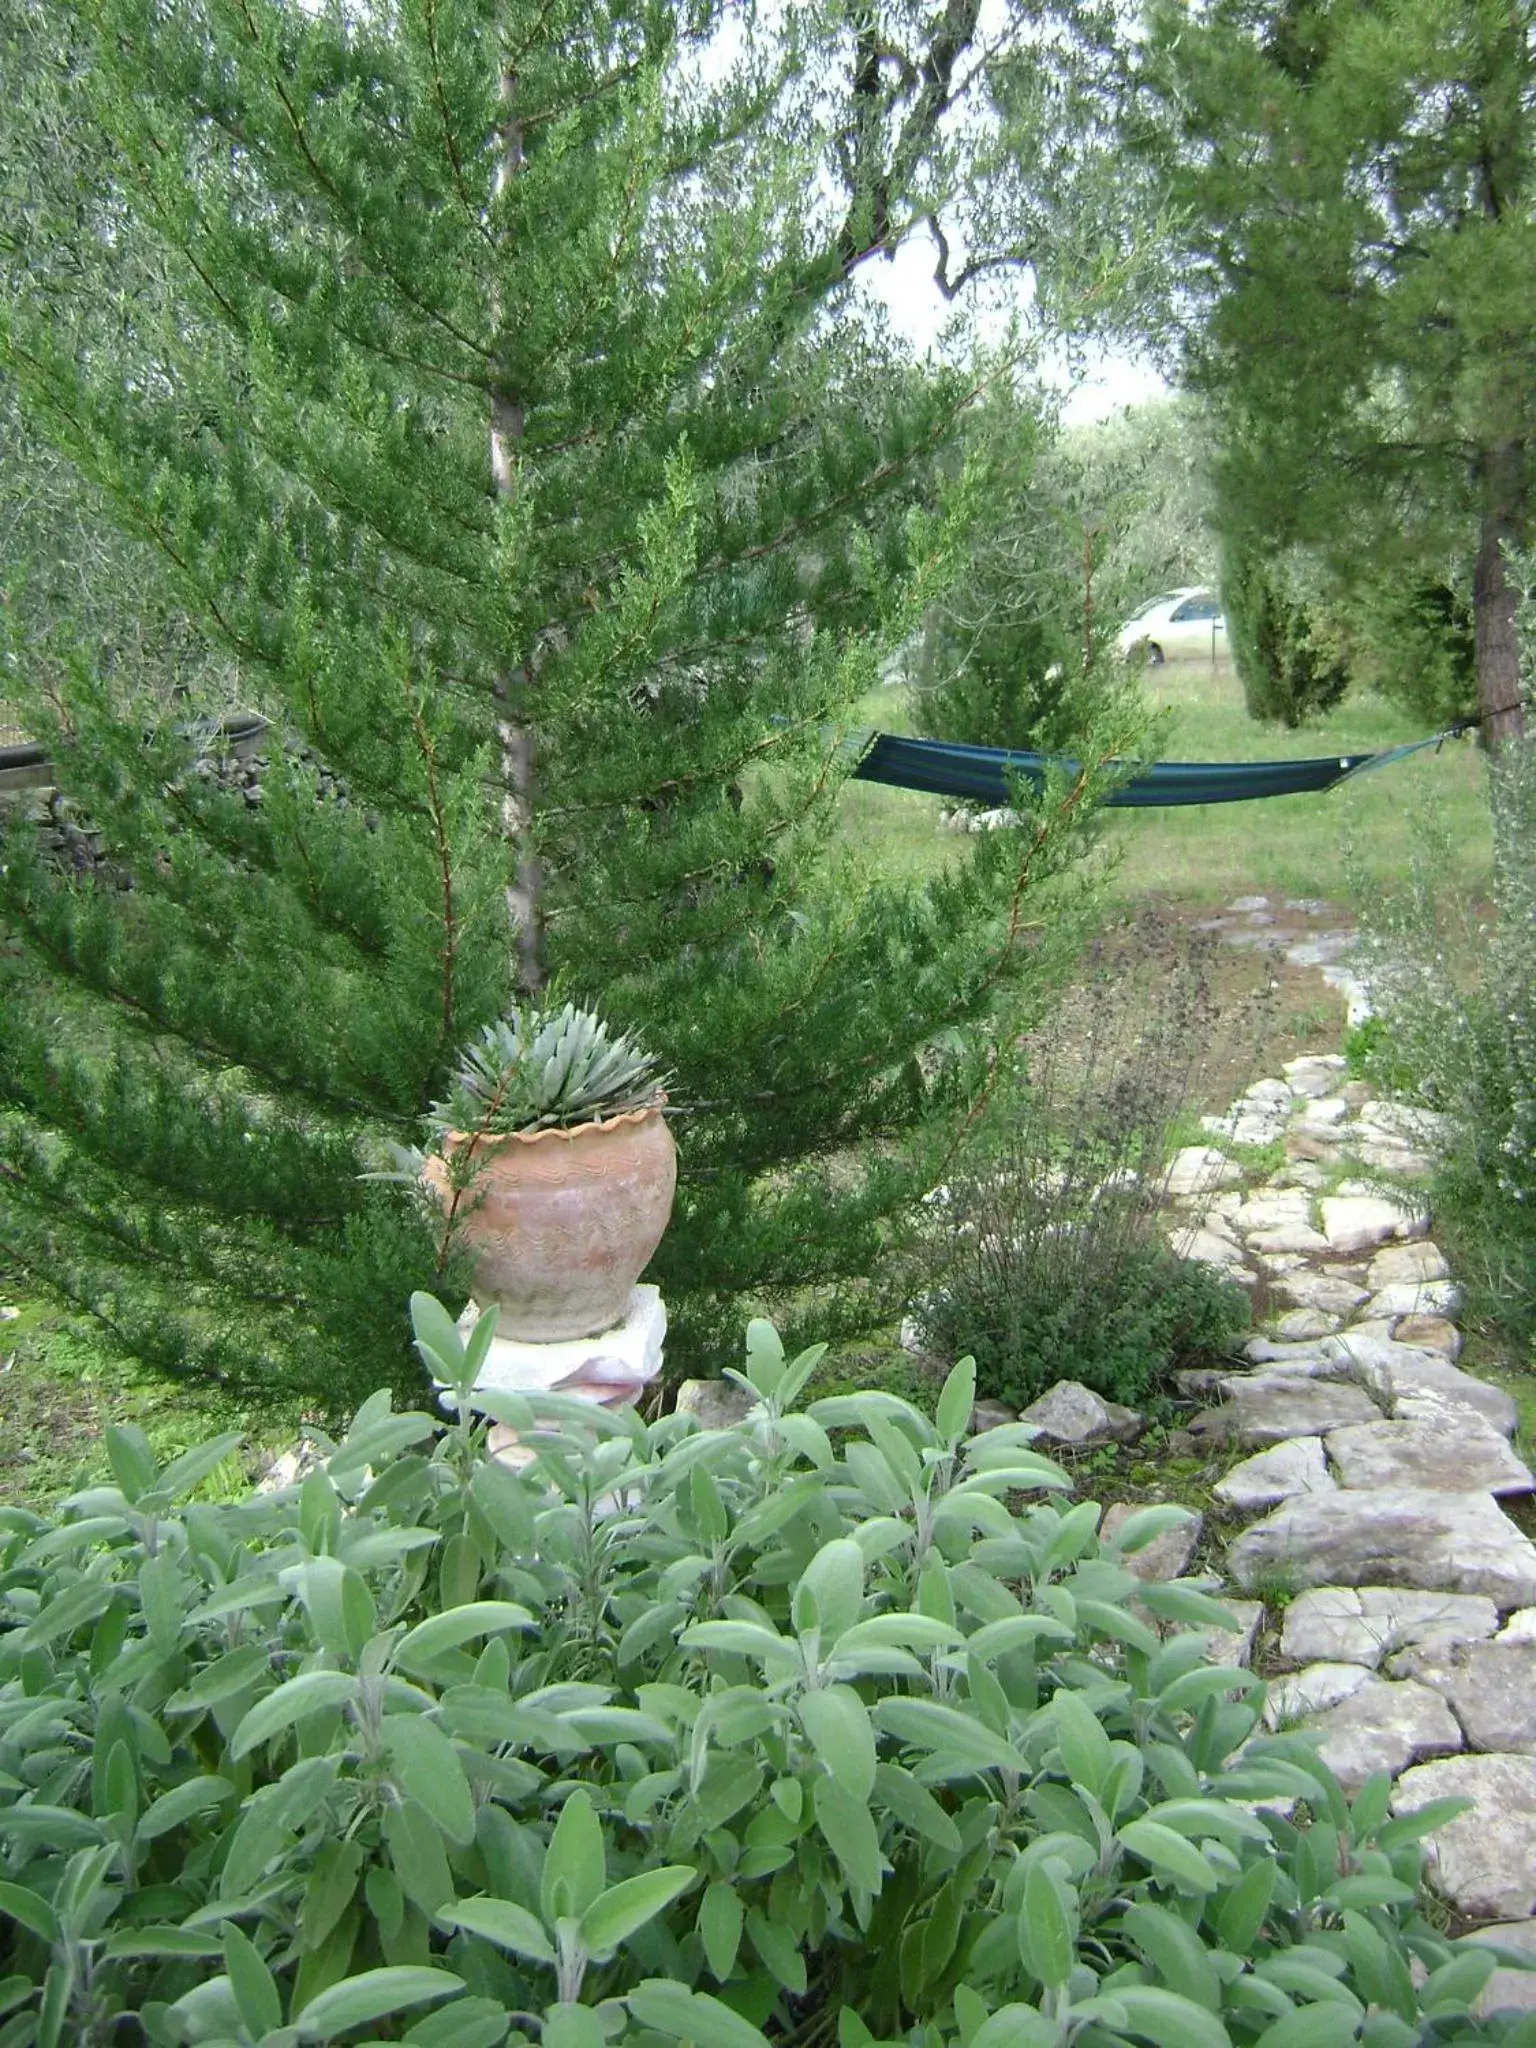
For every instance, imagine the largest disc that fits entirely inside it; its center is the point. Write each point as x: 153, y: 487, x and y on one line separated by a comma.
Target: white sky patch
x: 1105, y: 383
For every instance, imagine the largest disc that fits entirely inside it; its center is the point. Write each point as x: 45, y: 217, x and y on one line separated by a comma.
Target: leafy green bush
x: 1045, y: 1257
x: 725, y: 1738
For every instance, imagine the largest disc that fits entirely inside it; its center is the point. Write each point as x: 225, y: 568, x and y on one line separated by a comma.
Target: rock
x: 1205, y: 1245
x: 1358, y: 1223
x: 1167, y: 1555
x: 715, y: 1404
x: 1070, y: 1413
x: 1200, y: 1168
x: 1508, y: 1989
x: 1313, y: 1358
x: 991, y: 1415
x: 1268, y: 1408
x: 1235, y: 1645
x: 1200, y: 1382
x: 1288, y: 1237
x: 289, y: 1468
x: 1269, y: 1208
x: 1451, y: 1542
x: 1491, y: 1686
x: 1298, y: 1325
x: 1395, y: 1160
x: 1323, y: 950
x: 1311, y: 1691
x: 1295, y: 1466
x: 1450, y: 1453
x: 1384, y: 1726
x: 1277, y: 1264
x: 1397, y: 1263
x: 1245, y: 903
x: 1370, y: 1326
x: 1257, y: 1128
x: 1485, y: 1860
x: 1277, y: 1093
x: 1325, y: 1113
x: 1367, y: 1624
x: 1315, y: 1073
x: 1310, y: 1147
x: 1321, y: 1291
x: 1418, y: 1384
x: 1425, y: 1128
x: 1520, y: 1627
x: 1300, y: 1173
x: 1416, y: 1297
x: 1430, y: 1333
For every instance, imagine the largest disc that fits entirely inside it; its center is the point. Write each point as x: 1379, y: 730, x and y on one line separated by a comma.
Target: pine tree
x: 1360, y: 292
x: 485, y: 405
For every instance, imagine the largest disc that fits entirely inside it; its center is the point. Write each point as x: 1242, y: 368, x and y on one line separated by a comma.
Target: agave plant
x: 537, y: 1070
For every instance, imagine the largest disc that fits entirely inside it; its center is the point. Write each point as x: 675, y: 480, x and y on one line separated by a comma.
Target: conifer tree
x: 1360, y: 280
x: 485, y: 405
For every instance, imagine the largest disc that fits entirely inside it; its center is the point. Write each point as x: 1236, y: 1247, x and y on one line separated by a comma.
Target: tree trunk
x: 1497, y: 645
x: 513, y: 685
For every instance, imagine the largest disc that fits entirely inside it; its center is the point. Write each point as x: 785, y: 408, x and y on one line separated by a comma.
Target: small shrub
x: 1157, y: 1313
x: 1045, y: 1257
x: 717, y: 1738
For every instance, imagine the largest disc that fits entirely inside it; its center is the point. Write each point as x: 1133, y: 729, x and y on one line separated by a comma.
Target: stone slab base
x: 609, y: 1368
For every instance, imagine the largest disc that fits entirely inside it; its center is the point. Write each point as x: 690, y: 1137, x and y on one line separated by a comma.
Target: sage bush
x: 836, y: 1727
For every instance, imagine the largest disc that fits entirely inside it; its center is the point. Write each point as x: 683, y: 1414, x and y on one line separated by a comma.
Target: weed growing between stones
x: 1046, y: 1256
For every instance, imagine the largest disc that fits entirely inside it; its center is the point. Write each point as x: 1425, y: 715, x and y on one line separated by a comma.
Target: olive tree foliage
x: 479, y: 380
x: 1359, y: 274
x: 1087, y: 523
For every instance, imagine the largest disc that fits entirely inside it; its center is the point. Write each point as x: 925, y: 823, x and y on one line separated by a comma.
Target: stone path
x: 1371, y: 1476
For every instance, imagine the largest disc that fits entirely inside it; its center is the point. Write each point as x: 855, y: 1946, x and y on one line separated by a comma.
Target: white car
x: 1175, y: 626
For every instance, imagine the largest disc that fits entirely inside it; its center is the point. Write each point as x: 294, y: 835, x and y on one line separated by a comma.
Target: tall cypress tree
x: 485, y: 407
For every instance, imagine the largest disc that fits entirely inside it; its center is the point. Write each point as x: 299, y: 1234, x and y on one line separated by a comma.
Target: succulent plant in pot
x: 552, y: 1158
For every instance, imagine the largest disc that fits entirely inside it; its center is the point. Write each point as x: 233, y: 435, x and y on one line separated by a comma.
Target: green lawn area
x: 1352, y: 845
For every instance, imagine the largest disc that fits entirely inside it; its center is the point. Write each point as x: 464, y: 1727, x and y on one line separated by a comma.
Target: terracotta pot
x: 562, y: 1224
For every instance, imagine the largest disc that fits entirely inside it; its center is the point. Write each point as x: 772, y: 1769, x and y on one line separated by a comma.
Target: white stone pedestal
x: 610, y: 1368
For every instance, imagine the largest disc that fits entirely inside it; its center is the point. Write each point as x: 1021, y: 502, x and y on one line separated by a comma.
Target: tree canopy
x: 1360, y: 297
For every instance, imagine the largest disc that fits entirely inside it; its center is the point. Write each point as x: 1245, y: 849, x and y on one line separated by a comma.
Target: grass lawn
x: 1352, y: 845
x: 59, y: 1389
